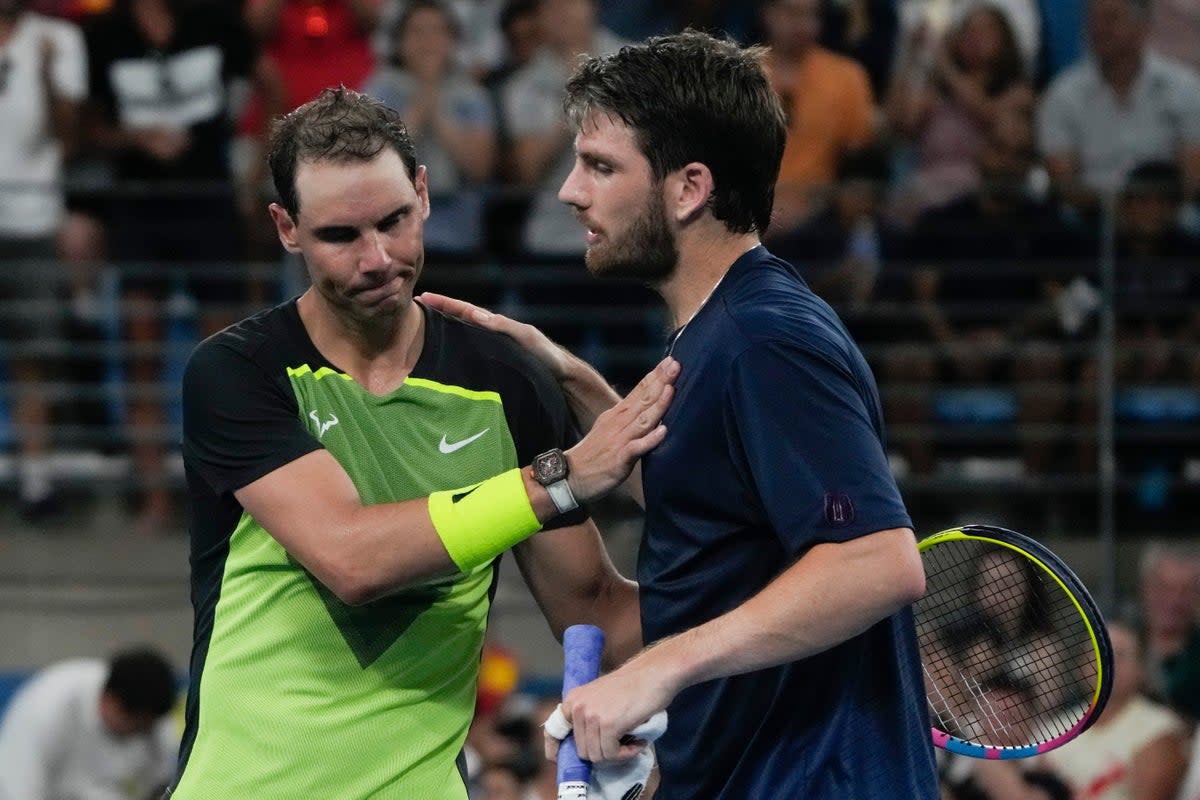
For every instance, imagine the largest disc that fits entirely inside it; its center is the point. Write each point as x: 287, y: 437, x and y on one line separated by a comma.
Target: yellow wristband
x: 478, y: 523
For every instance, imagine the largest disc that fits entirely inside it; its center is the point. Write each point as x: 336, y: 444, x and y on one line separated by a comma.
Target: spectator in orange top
x: 828, y: 102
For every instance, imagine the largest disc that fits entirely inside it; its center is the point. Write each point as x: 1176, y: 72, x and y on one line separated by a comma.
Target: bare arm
x: 1063, y: 169
x: 534, y: 153
x: 362, y: 552
x: 865, y: 579
x: 574, y: 581
x: 472, y: 148
x: 1158, y: 768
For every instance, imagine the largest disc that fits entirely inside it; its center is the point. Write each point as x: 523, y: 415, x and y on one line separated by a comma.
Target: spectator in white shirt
x: 89, y: 730
x: 43, y: 81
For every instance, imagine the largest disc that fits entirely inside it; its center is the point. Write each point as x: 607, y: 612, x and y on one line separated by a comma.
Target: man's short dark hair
x: 690, y: 97
x: 340, y: 125
x: 142, y: 681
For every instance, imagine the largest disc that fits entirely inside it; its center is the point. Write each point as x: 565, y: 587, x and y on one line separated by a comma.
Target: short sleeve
x: 806, y: 436
x: 238, y: 423
x: 1055, y: 126
x: 69, y: 72
x: 1186, y: 99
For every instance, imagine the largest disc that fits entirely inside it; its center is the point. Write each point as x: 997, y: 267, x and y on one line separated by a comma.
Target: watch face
x: 550, y: 466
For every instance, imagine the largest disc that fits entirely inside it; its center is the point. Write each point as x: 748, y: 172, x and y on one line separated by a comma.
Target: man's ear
x: 688, y: 189
x: 421, y: 184
x: 285, y: 226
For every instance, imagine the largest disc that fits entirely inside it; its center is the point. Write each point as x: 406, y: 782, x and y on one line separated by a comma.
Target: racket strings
x: 1008, y: 658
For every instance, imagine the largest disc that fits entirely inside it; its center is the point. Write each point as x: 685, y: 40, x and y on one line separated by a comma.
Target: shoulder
x: 1175, y: 75
x: 837, y: 64
x: 770, y: 304
x: 264, y: 333
x: 495, y: 359
x: 53, y: 26
x: 61, y: 682
x: 1076, y: 79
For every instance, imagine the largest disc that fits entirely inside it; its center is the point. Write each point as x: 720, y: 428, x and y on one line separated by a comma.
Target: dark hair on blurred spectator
x: 1009, y: 68
x: 411, y: 7
x: 142, y: 682
x: 340, y: 125
x: 1156, y: 177
x: 731, y: 122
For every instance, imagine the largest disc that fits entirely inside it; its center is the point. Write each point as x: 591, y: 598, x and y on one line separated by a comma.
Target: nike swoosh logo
x: 450, y: 447
x: 454, y: 498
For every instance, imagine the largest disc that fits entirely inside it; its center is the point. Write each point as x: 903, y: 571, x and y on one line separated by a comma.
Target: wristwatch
x: 550, y: 469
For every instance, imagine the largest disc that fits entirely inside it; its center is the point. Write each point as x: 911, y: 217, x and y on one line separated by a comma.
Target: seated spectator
x: 159, y: 106
x: 1120, y: 107
x: 533, y: 114
x: 1157, y: 289
x: 449, y: 117
x: 842, y: 251
x: 91, y: 730
x: 828, y: 102
x: 985, y: 268
x: 43, y: 79
x: 975, y: 78
x: 1136, y: 749
x: 1169, y: 592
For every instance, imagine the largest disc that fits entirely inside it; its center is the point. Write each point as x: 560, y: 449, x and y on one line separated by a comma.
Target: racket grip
x: 582, y: 645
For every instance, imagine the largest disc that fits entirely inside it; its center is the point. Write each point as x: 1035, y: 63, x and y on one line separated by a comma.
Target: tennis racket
x: 1015, y: 653
x: 582, y: 645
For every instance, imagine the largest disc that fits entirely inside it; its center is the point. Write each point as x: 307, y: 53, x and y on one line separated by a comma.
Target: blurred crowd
x: 966, y: 181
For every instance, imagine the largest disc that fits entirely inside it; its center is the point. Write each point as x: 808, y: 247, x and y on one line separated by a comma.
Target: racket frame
x: 1093, y: 621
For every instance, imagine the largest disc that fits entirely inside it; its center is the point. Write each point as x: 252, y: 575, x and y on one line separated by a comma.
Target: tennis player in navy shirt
x: 777, y: 562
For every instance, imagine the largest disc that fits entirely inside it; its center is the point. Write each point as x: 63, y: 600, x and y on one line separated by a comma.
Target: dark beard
x: 647, y: 253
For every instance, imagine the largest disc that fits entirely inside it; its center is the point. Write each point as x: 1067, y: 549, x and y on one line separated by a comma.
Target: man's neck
x: 1122, y: 73
x: 372, y: 353
x: 8, y: 24
x: 704, y: 258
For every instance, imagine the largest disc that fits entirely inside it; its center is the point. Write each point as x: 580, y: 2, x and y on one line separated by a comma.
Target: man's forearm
x: 588, y: 394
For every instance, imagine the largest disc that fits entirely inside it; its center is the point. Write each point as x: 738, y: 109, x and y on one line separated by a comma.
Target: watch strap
x: 563, y: 497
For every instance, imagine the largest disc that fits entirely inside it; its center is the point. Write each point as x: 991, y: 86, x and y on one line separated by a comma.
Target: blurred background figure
x: 997, y: 242
x: 531, y: 103
x: 160, y: 108
x: 1169, y: 593
x: 1157, y: 287
x: 450, y: 118
x: 829, y: 106
x: 1122, y: 106
x: 945, y: 100
x: 1136, y: 749
x: 88, y: 729
x: 43, y: 80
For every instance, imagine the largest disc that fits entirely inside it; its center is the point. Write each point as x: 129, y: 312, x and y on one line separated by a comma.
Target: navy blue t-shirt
x: 775, y: 445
